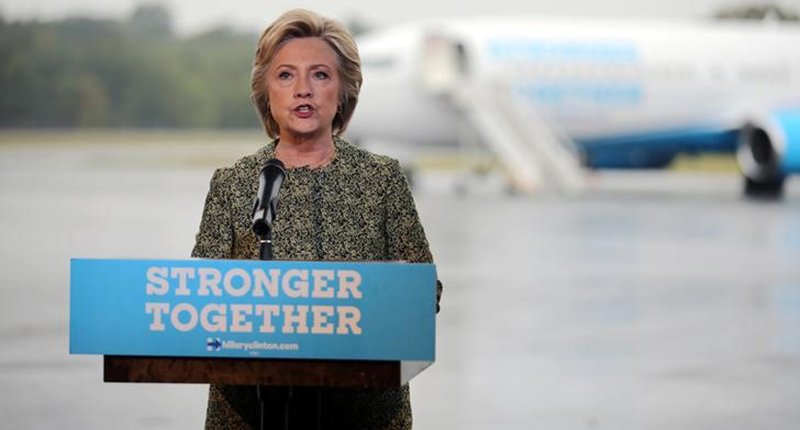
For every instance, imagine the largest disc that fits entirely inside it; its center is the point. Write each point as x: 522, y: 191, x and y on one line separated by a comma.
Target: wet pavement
x: 657, y: 301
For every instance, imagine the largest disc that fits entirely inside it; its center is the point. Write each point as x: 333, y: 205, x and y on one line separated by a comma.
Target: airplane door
x: 443, y: 64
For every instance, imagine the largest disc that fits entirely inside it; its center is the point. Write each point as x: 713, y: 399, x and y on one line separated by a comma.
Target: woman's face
x: 303, y: 87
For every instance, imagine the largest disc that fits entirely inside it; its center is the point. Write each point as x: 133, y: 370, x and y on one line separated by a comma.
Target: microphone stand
x: 281, y: 395
x: 265, y: 246
x: 275, y: 401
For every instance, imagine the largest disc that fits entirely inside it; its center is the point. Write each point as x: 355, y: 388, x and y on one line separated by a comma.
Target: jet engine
x: 768, y: 151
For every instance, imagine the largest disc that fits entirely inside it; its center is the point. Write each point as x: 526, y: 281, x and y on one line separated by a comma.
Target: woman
x: 337, y: 202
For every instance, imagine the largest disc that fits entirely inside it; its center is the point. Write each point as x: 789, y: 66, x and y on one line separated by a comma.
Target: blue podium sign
x: 253, y: 309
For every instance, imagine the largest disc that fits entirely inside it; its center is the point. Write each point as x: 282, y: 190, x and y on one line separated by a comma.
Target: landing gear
x: 771, y: 189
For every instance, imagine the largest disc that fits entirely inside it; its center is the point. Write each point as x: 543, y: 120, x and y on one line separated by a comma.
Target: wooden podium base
x: 269, y: 372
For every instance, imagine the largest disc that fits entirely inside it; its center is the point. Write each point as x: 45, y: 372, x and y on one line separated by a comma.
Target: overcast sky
x: 195, y: 15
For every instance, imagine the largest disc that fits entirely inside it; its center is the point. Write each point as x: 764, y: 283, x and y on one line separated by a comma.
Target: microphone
x: 266, y: 203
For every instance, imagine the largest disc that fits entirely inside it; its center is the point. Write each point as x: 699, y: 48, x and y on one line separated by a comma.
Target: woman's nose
x: 302, y: 89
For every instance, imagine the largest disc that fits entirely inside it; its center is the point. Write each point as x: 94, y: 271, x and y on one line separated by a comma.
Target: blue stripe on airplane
x: 654, y: 149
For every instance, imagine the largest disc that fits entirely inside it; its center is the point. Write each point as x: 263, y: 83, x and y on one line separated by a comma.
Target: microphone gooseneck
x: 266, y: 202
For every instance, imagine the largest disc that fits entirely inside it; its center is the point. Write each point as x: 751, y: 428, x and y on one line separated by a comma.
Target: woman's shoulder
x: 364, y: 159
x: 248, y: 165
x: 241, y: 174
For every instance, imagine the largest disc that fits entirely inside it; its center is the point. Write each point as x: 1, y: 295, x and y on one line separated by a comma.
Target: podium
x: 250, y: 322
x: 237, y: 371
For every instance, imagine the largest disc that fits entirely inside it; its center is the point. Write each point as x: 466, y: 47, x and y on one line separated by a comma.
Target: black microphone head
x: 275, y: 163
x: 266, y: 202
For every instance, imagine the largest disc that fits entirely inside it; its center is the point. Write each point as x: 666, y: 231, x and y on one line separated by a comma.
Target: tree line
x: 82, y: 72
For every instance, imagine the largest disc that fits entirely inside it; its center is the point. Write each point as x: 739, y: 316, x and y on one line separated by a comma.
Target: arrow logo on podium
x: 213, y: 344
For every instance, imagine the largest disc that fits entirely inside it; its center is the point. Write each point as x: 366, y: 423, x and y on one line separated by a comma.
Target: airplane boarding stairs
x: 535, y: 155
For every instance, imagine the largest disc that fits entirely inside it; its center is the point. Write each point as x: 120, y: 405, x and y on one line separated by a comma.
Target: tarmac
x: 650, y: 301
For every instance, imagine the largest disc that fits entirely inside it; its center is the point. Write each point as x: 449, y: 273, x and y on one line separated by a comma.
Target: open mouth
x: 304, y: 109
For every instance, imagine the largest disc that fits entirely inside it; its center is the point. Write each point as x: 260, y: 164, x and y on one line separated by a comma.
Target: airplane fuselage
x: 614, y: 88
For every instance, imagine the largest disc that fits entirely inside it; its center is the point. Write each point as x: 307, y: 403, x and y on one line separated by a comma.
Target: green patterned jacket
x: 357, y: 208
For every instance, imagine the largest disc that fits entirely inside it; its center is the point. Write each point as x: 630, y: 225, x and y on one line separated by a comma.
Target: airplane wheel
x: 769, y: 190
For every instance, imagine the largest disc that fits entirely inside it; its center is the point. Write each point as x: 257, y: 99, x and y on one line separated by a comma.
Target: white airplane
x: 548, y: 95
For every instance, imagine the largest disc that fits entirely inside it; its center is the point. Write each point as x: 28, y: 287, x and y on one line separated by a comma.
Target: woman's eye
x: 321, y: 75
x: 284, y: 75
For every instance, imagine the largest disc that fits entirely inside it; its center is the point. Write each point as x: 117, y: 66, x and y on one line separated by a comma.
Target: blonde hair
x: 300, y: 23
